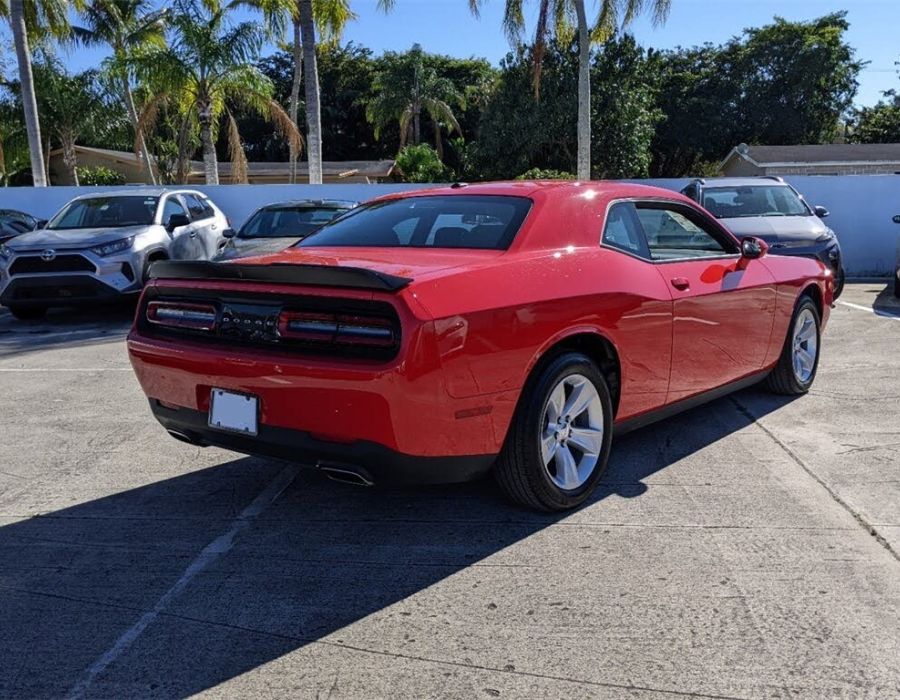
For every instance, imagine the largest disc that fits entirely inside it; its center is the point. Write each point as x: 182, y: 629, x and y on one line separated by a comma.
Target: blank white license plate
x: 235, y: 412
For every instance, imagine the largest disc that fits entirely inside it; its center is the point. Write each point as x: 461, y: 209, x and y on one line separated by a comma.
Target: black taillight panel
x: 293, y: 324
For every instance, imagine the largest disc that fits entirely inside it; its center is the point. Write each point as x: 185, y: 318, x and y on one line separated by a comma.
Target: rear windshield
x: 105, y: 212
x: 754, y: 200
x: 455, y: 221
x: 287, y: 222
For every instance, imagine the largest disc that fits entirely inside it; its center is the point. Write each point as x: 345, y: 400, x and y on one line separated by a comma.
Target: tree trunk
x: 583, y: 171
x: 438, y: 141
x: 32, y: 123
x: 294, y: 103
x: 70, y: 159
x: 210, y: 163
x: 139, y: 134
x: 313, y: 106
x: 417, y: 127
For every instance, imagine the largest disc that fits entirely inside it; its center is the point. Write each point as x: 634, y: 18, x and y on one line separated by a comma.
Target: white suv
x: 100, y: 246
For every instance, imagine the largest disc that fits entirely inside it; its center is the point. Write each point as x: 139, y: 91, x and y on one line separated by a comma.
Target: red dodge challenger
x: 437, y: 335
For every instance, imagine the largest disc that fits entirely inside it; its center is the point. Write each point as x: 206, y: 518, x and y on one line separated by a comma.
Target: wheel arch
x: 595, y: 345
x: 814, y: 292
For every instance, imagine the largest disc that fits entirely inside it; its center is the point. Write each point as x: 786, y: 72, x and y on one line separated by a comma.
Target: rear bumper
x: 381, y: 463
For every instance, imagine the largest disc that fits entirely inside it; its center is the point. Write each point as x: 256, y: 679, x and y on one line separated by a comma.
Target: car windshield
x: 105, y: 212
x: 753, y: 200
x: 430, y: 221
x: 287, y: 222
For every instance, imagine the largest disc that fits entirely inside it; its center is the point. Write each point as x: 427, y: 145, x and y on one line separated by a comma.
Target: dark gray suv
x: 769, y: 208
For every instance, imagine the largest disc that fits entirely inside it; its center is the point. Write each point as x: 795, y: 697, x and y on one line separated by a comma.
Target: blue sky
x: 445, y: 26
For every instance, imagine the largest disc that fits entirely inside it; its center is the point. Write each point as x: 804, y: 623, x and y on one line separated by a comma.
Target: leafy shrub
x: 421, y: 164
x: 545, y: 174
x: 99, y: 175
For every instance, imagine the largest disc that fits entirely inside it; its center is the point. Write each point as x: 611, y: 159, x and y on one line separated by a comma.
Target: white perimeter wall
x: 862, y: 208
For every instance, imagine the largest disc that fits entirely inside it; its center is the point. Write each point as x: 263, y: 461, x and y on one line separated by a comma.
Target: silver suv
x: 100, y: 246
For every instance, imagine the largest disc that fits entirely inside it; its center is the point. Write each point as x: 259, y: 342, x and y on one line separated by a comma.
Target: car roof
x: 329, y: 203
x: 539, y: 189
x: 138, y: 192
x: 762, y: 181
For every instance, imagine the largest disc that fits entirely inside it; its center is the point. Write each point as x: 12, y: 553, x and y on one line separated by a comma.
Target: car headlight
x: 5, y: 252
x: 114, y: 247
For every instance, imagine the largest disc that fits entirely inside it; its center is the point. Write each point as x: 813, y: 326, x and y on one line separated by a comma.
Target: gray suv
x: 100, y: 246
x: 769, y: 208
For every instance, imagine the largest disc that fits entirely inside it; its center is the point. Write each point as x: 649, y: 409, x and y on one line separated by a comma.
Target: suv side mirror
x: 753, y: 248
x: 177, y: 221
x: 821, y: 212
x: 229, y: 233
x: 40, y: 223
x: 896, y: 219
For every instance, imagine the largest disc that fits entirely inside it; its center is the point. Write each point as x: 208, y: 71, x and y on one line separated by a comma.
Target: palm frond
x: 239, y: 167
x: 285, y: 127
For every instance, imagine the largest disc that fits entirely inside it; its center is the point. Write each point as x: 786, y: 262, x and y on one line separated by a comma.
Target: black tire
x: 28, y: 313
x: 520, y: 469
x: 145, y: 273
x: 783, y: 379
x: 897, y: 286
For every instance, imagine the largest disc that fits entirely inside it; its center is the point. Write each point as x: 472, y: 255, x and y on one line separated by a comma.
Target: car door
x: 206, y: 233
x: 723, y: 304
x: 181, y: 244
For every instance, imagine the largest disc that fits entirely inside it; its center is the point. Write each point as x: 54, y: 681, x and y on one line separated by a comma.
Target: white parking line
x: 877, y: 312
x: 210, y: 553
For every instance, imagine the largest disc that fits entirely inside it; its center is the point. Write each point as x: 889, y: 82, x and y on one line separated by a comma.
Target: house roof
x: 819, y: 154
x: 330, y: 168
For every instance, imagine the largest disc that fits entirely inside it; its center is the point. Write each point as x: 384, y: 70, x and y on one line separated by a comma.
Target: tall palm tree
x: 207, y: 70
x: 33, y: 18
x: 327, y: 18
x: 128, y: 27
x: 558, y: 16
x: 406, y: 87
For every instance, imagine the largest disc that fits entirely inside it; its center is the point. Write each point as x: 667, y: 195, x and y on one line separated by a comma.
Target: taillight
x: 199, y: 317
x: 340, y: 329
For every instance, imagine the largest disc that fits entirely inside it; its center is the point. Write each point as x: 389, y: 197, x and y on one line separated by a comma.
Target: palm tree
x: 207, y: 70
x: 556, y: 16
x: 33, y: 18
x: 406, y: 87
x: 128, y: 27
x: 307, y: 18
x: 73, y: 107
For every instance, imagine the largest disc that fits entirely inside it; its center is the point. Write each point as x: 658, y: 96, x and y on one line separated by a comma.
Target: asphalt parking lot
x: 746, y: 549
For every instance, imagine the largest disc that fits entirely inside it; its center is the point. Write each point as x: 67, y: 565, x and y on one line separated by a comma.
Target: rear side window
x: 623, y: 230
x: 199, y: 207
x: 439, y: 221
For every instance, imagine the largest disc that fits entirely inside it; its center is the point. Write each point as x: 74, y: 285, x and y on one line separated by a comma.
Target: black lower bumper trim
x: 385, y: 465
x: 59, y: 290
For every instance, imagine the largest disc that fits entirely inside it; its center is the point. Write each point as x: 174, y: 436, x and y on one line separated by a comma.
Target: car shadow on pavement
x: 64, y: 327
x: 885, y: 302
x: 321, y: 557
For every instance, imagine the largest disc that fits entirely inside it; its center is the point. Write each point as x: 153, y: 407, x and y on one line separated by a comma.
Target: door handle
x: 193, y: 234
x: 680, y: 283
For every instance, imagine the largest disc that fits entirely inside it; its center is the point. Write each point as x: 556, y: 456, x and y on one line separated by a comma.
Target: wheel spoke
x: 549, y: 445
x: 566, y: 469
x: 555, y: 404
x: 587, y: 440
x: 807, y: 330
x: 579, y: 400
x: 806, y: 359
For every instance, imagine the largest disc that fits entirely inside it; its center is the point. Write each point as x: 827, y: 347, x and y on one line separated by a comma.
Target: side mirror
x: 821, y: 212
x: 753, y: 248
x: 896, y: 219
x: 229, y: 233
x: 177, y: 221
x: 40, y: 223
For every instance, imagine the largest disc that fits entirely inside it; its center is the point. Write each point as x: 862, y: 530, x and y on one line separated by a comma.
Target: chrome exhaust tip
x: 346, y: 474
x: 184, y: 437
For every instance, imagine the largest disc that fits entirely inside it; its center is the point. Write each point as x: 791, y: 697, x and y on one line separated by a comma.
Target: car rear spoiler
x: 279, y: 273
